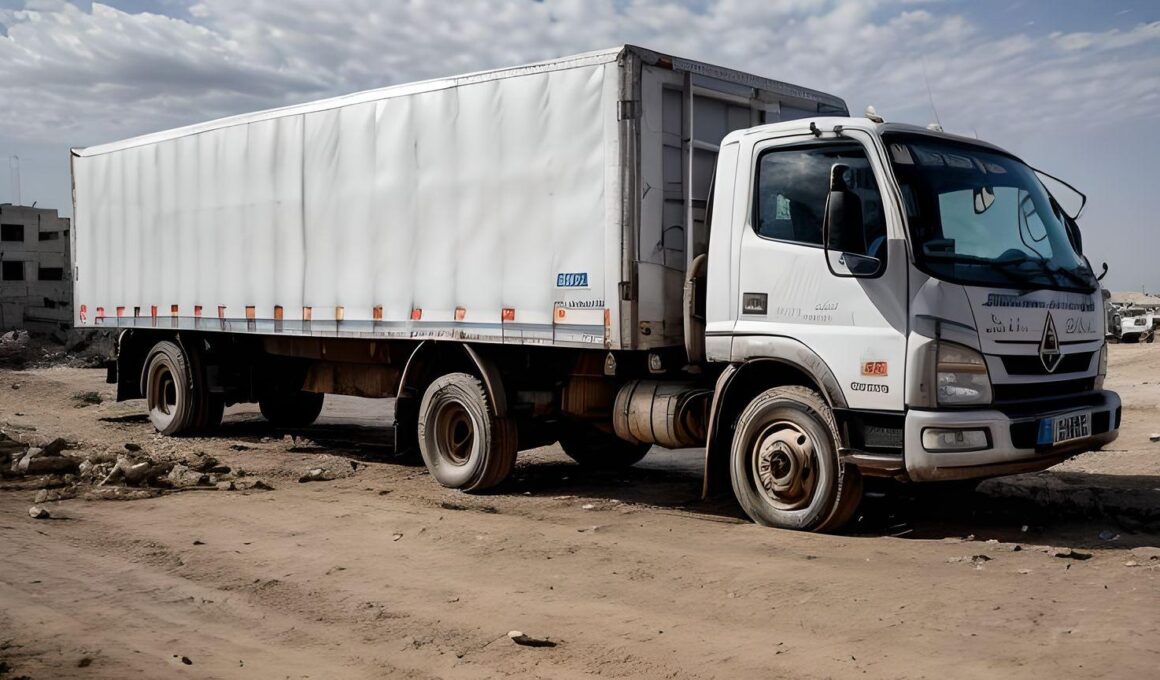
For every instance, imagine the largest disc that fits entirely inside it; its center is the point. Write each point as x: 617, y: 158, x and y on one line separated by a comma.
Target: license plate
x: 1064, y: 428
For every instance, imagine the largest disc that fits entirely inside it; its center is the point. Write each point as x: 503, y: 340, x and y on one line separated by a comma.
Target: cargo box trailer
x: 614, y: 250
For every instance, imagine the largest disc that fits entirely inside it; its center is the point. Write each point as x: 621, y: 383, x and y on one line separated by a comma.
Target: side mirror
x: 984, y: 198
x: 843, y: 232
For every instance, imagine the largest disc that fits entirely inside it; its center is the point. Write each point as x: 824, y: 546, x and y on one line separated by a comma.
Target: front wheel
x: 784, y: 463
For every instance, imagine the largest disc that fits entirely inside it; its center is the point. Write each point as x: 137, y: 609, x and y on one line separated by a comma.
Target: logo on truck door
x: 1049, y: 346
x: 754, y: 303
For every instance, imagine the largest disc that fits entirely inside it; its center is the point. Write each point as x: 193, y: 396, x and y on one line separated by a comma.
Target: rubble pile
x: 14, y: 348
x: 60, y: 470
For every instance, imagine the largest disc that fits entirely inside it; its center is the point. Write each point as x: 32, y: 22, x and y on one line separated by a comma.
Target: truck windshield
x: 978, y: 216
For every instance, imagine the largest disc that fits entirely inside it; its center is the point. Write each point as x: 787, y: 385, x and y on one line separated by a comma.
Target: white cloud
x: 88, y: 76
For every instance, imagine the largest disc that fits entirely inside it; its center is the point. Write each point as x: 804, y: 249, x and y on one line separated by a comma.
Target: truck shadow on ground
x: 671, y: 482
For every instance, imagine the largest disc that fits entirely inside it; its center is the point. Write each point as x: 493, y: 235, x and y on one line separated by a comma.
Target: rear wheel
x: 784, y: 463
x: 169, y: 389
x: 176, y: 393
x: 595, y: 448
x: 291, y: 409
x: 464, y: 444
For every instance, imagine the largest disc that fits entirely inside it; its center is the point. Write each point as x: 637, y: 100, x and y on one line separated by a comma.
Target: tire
x: 291, y: 409
x: 784, y: 463
x: 169, y: 393
x: 208, y: 407
x: 464, y: 444
x: 594, y: 448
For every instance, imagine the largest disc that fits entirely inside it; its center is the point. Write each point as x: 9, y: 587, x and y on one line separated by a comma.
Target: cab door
x: 853, y: 318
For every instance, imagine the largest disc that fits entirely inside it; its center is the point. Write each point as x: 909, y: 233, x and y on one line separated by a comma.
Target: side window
x: 792, y: 187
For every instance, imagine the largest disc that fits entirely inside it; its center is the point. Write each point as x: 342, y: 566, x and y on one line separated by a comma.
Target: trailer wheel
x: 291, y: 409
x: 169, y: 389
x: 784, y: 463
x: 464, y: 444
x: 595, y: 448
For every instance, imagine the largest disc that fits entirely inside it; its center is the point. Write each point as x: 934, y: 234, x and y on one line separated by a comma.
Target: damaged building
x: 35, y: 271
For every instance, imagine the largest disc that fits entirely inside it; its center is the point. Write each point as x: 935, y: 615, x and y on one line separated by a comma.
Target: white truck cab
x: 928, y: 283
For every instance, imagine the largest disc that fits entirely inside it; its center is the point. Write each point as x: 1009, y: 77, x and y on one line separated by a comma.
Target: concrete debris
x: 528, y: 641
x: 1109, y: 535
x: 53, y: 495
x: 136, y: 471
x: 14, y: 347
x: 1155, y: 436
x: 37, y: 512
x: 182, y: 477
x: 316, y: 475
x: 132, y: 448
x: 226, y: 486
x: 119, y: 493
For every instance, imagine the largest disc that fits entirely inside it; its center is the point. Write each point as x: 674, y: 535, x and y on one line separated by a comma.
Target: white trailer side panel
x: 445, y: 211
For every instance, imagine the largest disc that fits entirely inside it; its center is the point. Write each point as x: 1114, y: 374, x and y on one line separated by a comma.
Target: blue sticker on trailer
x: 572, y: 280
x: 1046, y: 432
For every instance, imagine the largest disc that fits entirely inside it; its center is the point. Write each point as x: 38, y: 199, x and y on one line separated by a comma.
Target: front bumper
x: 1012, y: 447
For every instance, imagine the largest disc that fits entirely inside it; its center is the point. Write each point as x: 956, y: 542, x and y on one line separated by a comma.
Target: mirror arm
x: 1082, y: 195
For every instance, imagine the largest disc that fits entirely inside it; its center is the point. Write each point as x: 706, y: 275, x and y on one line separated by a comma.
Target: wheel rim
x: 163, y: 395
x: 454, y: 433
x: 784, y: 465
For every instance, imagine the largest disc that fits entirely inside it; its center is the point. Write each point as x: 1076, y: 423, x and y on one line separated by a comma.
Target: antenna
x: 930, y: 95
x: 14, y: 171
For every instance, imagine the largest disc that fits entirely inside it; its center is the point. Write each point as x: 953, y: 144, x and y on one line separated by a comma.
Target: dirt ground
x: 381, y: 573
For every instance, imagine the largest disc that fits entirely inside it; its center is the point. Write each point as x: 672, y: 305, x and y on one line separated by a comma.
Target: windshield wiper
x: 1001, y: 266
x: 1072, y: 274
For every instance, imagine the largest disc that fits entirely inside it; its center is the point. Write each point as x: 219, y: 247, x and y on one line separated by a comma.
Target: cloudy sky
x: 1072, y: 86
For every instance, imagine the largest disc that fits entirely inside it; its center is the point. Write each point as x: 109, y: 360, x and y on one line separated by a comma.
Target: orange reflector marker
x: 173, y: 310
x: 277, y: 312
x: 120, y: 312
x: 460, y: 313
x: 221, y: 311
x: 250, y: 313
x: 508, y: 314
x: 307, y: 313
x: 197, y: 310
x: 153, y: 311
x: 561, y: 313
x: 377, y: 313
x: 416, y: 314
x: 339, y: 313
x: 100, y: 312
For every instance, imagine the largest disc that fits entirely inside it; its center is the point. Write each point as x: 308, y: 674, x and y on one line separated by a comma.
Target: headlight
x: 961, y: 376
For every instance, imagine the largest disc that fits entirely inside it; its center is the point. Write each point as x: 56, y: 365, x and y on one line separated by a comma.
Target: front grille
x: 1032, y: 365
x: 1042, y: 391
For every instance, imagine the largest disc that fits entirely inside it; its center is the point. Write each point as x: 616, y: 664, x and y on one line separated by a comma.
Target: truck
x: 613, y: 251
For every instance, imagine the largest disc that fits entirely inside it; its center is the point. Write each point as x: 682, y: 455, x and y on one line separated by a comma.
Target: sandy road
x: 384, y: 574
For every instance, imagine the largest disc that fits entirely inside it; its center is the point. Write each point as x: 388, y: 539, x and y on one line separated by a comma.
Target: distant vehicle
x: 1135, y: 325
x: 615, y: 250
